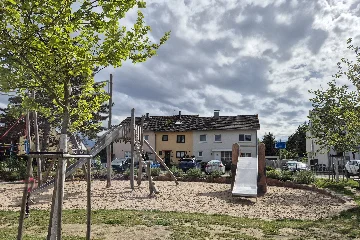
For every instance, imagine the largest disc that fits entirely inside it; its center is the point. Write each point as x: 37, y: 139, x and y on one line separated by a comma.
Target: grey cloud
x: 317, y: 39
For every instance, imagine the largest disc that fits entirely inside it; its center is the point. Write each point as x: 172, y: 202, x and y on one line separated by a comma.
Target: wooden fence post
x: 234, y: 160
x: 262, y: 186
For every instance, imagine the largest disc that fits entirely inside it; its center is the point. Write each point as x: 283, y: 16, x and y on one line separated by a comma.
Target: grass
x: 185, y: 225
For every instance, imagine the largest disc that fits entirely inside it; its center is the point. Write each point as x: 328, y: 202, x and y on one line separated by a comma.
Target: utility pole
x: 37, y: 144
x: 108, y: 148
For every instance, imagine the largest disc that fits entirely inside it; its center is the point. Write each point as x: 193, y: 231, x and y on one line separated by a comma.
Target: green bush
x: 193, y: 173
x: 269, y: 168
x: 127, y: 172
x: 216, y: 174
x: 286, y: 176
x: 176, y: 171
x: 155, y: 171
x: 274, y: 174
x: 341, y: 186
x: 304, y: 177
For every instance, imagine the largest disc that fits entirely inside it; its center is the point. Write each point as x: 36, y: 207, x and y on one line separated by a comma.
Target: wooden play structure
x: 248, y: 173
x: 128, y: 132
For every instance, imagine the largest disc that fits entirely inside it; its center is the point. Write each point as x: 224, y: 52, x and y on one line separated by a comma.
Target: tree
x: 296, y: 144
x: 44, y: 45
x: 269, y: 141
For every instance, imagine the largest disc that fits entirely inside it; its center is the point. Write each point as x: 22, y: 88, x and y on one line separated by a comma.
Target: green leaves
x: 335, y: 118
x: 46, y: 44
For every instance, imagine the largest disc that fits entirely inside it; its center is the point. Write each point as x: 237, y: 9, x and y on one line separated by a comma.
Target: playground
x: 190, y: 197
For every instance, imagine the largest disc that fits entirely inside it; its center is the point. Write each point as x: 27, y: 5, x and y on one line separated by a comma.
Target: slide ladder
x: 107, y: 138
x: 245, y: 184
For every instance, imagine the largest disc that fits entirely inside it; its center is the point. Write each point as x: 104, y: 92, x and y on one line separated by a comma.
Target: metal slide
x: 106, y: 139
x: 245, y: 184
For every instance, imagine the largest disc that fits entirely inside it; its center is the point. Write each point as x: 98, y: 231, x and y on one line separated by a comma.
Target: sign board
x: 280, y: 145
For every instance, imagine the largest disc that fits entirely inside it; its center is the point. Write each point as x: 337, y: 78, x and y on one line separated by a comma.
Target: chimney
x: 147, y: 115
x: 216, y: 113
x: 179, y: 114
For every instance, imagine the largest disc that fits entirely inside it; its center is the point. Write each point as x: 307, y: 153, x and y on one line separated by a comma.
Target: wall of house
x: 172, y: 145
x: 212, y: 150
x: 122, y: 150
x: 312, y: 149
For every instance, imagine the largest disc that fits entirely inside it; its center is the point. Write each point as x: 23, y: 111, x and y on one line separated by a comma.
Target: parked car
x: 187, y: 163
x: 215, y: 165
x: 352, y: 168
x: 202, y: 164
x: 119, y: 165
x: 294, y: 166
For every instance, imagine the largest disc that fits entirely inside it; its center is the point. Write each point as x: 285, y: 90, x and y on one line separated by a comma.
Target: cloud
x: 242, y: 57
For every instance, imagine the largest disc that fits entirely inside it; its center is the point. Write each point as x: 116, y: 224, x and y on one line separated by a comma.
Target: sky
x: 241, y: 57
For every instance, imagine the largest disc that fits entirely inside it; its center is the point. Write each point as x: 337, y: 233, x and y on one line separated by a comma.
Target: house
x: 206, y: 138
x: 315, y: 156
x: 214, y: 136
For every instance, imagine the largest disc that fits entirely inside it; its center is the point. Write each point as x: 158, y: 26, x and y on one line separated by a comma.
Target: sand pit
x: 207, y: 198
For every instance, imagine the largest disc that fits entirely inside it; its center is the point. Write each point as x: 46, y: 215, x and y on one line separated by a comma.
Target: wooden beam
x: 88, y: 208
x: 159, y: 159
x: 132, y: 142
x: 24, y: 198
x: 234, y: 160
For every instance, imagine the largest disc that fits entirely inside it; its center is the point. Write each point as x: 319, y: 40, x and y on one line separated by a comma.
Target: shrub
x: 155, y: 171
x: 194, y: 173
x: 269, y: 168
x: 216, y: 174
x: 340, y: 186
x: 176, y: 171
x: 127, y: 172
x: 275, y: 174
x: 304, y: 177
x: 286, y: 176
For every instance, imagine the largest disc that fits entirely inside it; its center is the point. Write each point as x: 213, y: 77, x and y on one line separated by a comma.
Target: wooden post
x: 140, y: 151
x: 234, y: 161
x: 27, y: 120
x: 88, y: 229
x: 159, y: 159
x: 152, y: 187
x: 60, y: 195
x: 37, y: 143
x: 54, y: 209
x: 24, y: 199
x: 262, y: 186
x: 108, y: 148
x: 132, y: 142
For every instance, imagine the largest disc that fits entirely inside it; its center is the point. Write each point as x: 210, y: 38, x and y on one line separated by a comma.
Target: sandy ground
x: 207, y: 198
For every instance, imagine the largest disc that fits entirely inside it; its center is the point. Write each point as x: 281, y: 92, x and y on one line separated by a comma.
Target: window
x: 165, y: 137
x: 180, y: 154
x: 200, y: 154
x: 217, y: 137
x: 180, y: 138
x: 160, y: 153
x: 244, y: 137
x: 203, y: 138
x: 245, y: 155
x: 226, y: 156
x: 146, y: 137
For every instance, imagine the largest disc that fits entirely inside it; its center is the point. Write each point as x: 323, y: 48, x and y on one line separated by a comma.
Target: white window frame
x: 215, y: 137
x: 202, y: 135
x: 146, y: 137
x: 245, y: 137
x: 200, y: 154
x: 247, y: 154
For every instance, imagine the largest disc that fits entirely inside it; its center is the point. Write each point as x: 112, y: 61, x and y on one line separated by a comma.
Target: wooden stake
x: 54, y: 210
x: 60, y: 196
x: 234, y: 160
x: 140, y: 151
x: 37, y: 145
x: 88, y: 229
x: 108, y: 148
x: 132, y: 142
x: 24, y: 198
